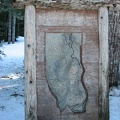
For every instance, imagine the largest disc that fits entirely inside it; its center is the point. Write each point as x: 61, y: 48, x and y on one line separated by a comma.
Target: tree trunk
x: 18, y: 28
x: 6, y: 28
x: 13, y: 27
x: 114, y: 47
x: 9, y: 26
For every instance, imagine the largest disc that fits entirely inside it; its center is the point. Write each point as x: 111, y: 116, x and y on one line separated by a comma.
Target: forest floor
x: 12, y: 81
x: 12, y: 85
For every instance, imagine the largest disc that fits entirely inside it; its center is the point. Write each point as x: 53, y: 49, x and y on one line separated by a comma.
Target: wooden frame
x: 30, y: 64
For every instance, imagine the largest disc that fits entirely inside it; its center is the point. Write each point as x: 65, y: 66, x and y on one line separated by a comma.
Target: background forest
x: 11, y: 21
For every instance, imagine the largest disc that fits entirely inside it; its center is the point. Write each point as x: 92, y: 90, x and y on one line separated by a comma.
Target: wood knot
x: 28, y: 45
x: 31, y: 82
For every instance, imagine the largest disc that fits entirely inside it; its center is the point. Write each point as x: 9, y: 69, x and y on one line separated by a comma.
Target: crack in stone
x: 71, y: 39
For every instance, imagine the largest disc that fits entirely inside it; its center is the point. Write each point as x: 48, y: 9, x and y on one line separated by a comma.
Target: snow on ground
x: 12, y: 85
x: 12, y: 81
x: 114, y: 98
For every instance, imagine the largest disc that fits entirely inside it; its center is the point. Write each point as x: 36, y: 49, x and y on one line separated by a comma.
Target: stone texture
x: 64, y: 70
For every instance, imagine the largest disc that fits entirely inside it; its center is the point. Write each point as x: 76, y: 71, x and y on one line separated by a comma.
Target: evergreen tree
x: 8, y: 22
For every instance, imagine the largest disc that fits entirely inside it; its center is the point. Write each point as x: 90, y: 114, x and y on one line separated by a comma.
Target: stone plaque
x: 64, y: 70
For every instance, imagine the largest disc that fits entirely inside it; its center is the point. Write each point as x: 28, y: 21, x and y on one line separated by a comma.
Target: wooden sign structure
x: 66, y: 59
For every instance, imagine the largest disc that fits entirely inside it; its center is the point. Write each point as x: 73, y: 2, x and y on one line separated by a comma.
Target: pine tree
x: 9, y: 14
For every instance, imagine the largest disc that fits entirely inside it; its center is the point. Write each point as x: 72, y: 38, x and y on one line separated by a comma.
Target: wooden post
x: 103, y: 64
x: 30, y: 64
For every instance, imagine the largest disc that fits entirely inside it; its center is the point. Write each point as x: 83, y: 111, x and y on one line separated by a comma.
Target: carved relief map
x: 64, y: 70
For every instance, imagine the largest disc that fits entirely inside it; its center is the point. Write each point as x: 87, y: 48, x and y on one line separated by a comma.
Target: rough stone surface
x: 64, y: 70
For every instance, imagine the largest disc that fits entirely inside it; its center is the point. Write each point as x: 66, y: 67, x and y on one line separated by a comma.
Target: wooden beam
x: 30, y: 64
x: 103, y: 64
x: 66, y: 4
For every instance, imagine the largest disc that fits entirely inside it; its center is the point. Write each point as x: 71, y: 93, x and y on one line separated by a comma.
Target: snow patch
x: 12, y: 81
x: 114, y: 103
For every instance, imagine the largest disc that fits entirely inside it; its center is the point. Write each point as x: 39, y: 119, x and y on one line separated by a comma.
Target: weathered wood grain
x: 103, y: 64
x: 30, y: 64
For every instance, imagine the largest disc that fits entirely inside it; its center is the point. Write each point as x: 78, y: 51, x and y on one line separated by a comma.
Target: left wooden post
x: 30, y: 64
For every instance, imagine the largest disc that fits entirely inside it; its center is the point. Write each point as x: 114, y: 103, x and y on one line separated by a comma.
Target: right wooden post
x: 103, y: 64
